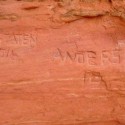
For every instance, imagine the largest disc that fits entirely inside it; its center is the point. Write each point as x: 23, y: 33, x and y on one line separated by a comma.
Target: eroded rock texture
x: 62, y: 62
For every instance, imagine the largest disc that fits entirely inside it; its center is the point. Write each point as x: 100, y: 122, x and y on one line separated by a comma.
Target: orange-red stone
x: 62, y: 62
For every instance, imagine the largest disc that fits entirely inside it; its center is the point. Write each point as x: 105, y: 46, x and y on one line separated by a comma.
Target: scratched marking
x: 121, y: 43
x: 93, y: 80
x: 90, y: 58
x: 79, y: 57
x: 18, y: 40
x: 13, y: 44
x: 111, y: 57
x: 8, y: 53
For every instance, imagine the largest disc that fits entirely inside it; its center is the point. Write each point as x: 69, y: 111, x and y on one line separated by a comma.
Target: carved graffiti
x: 90, y: 58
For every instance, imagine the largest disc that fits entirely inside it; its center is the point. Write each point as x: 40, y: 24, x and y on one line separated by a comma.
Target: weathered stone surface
x: 62, y: 62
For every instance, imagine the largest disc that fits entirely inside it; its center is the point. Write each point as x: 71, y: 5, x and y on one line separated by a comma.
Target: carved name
x: 105, y: 57
x: 20, y: 40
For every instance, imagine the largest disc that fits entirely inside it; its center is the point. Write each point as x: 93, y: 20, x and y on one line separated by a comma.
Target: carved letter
x: 91, y: 57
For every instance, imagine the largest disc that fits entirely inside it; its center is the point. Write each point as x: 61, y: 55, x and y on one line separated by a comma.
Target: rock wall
x: 62, y: 62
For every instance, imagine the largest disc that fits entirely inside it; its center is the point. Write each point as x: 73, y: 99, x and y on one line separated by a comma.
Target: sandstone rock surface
x: 62, y: 62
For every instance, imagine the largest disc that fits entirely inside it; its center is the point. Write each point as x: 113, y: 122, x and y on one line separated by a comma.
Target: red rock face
x: 62, y: 62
